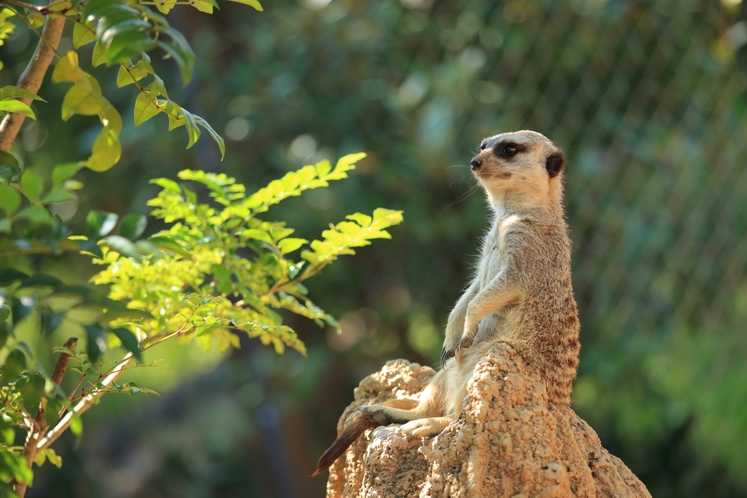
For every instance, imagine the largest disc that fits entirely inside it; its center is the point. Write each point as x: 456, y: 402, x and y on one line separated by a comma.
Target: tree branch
x: 39, y: 426
x: 32, y: 77
x: 84, y: 404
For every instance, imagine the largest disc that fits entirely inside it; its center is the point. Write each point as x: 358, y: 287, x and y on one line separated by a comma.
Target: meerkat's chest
x: 492, y: 259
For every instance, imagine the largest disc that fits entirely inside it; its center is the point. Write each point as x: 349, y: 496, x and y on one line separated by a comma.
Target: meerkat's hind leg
x: 427, y: 427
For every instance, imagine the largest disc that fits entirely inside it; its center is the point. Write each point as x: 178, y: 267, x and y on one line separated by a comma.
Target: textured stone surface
x: 507, y: 442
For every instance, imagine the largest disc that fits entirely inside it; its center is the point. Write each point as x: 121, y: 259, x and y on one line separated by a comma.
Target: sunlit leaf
x: 290, y: 244
x: 68, y: 69
x: 84, y: 98
x: 10, y: 91
x: 106, y: 150
x: 251, y: 3
x: 82, y: 35
x: 18, y: 107
x: 144, y: 109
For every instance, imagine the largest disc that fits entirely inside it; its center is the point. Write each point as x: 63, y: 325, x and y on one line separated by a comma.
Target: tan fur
x: 521, y: 293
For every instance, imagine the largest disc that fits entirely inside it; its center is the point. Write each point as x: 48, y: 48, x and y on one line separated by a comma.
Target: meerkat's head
x: 524, y: 167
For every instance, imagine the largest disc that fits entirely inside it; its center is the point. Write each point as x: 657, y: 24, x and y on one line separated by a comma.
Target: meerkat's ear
x: 554, y: 163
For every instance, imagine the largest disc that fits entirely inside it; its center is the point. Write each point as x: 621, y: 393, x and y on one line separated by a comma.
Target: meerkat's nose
x: 476, y: 164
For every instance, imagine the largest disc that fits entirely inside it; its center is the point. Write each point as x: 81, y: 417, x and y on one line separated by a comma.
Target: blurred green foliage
x: 648, y: 100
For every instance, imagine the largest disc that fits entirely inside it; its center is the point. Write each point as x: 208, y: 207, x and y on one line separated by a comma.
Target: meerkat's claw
x: 445, y: 355
x: 464, y: 342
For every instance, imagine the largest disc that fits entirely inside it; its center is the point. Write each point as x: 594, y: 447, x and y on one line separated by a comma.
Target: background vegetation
x: 648, y: 99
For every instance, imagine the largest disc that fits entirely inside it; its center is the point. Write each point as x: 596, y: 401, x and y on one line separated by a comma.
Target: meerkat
x: 521, y: 293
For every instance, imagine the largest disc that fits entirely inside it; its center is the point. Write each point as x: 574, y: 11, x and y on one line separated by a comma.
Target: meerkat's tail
x: 357, y: 427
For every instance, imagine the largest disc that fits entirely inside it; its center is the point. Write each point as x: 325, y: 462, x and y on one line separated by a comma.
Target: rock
x: 506, y: 443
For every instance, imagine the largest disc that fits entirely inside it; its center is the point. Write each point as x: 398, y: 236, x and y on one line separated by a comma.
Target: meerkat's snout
x: 476, y: 163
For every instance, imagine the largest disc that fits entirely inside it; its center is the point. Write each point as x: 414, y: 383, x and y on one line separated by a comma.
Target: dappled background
x: 647, y: 98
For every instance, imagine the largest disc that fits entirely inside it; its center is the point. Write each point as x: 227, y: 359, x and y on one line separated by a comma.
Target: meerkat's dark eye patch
x: 483, y: 145
x: 508, y: 150
x: 554, y: 163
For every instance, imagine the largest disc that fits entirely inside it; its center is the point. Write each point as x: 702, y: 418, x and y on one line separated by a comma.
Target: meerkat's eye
x: 510, y: 149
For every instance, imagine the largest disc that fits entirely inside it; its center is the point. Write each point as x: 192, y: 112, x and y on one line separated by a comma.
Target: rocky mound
x: 507, y: 442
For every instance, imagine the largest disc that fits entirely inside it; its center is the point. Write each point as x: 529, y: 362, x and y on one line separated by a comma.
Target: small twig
x: 24, y: 5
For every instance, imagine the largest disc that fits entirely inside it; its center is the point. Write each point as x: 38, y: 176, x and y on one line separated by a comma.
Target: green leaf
x: 36, y: 214
x: 133, y: 226
x: 4, y: 334
x: 129, y: 341
x: 68, y: 69
x: 144, y: 109
x: 59, y: 194
x: 10, y: 91
x: 21, y: 308
x: 205, y: 5
x: 9, y: 167
x: 100, y: 223
x: 167, y: 184
x: 106, y: 151
x: 40, y: 280
x: 32, y: 183
x: 64, y: 171
x: 50, y: 321
x: 193, y: 132
x: 257, y: 234
x: 110, y: 117
x: 165, y: 6
x: 82, y: 35
x: 251, y: 3
x: 96, y: 341
x: 129, y: 75
x: 171, y: 245
x: 31, y: 389
x: 4, y: 314
x: 18, y: 107
x: 99, y: 55
x: 10, y: 275
x: 290, y: 244
x: 49, y: 454
x: 14, y: 364
x: 10, y: 199
x: 51, y: 414
x: 124, y: 247
x: 90, y: 247
x: 112, y: 314
x: 129, y: 44
x: 218, y: 139
x: 76, y: 426
x: 181, y: 52
x: 84, y: 98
